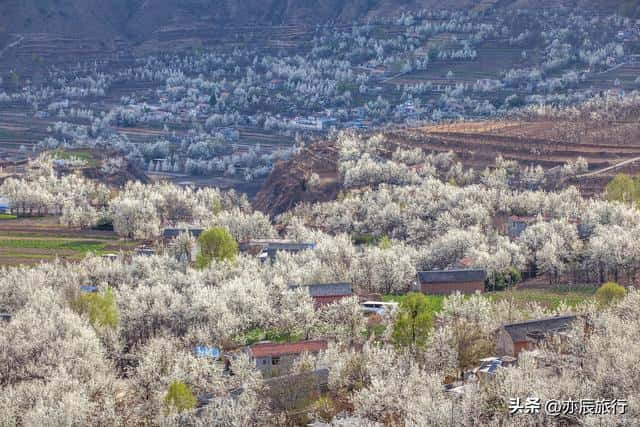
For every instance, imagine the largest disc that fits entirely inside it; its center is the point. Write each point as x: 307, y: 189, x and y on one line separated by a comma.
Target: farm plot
x: 549, y: 298
x: 623, y: 77
x: 494, y: 58
x: 32, y: 240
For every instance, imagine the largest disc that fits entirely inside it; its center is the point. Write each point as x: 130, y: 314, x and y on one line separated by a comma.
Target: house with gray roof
x: 269, y: 248
x: 512, y: 338
x: 326, y: 293
x: 172, y: 233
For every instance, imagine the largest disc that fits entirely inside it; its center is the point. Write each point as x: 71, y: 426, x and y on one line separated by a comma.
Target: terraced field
x: 30, y: 241
x: 545, y: 142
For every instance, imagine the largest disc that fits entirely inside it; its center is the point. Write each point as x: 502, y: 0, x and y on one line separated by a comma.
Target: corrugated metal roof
x: 443, y: 276
x: 274, y: 349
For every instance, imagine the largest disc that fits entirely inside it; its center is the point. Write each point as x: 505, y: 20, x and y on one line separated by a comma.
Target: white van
x: 378, y: 307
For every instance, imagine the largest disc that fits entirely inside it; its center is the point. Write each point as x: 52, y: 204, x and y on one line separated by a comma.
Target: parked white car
x: 378, y: 307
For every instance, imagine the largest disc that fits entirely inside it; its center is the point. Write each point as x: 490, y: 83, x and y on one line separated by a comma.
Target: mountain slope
x: 139, y: 18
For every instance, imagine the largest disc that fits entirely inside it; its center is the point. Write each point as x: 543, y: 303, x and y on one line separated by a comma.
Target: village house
x: 144, y: 250
x: 275, y: 359
x: 446, y: 282
x: 286, y: 392
x: 515, y: 225
x: 269, y: 248
x: 512, y: 338
x: 326, y: 293
x: 5, y: 317
x: 313, y: 123
x: 172, y: 233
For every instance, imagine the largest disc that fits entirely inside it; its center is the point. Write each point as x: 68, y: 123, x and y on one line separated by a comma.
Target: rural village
x: 427, y: 218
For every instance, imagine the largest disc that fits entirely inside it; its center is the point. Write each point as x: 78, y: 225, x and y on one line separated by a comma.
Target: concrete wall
x: 504, y: 344
x: 283, y: 366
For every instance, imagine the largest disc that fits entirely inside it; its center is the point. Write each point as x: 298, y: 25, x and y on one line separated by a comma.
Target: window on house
x: 275, y: 360
x: 264, y: 361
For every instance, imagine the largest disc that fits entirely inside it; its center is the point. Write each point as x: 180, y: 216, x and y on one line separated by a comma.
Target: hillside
x: 138, y: 19
x: 288, y: 183
x: 36, y: 32
x: 609, y: 149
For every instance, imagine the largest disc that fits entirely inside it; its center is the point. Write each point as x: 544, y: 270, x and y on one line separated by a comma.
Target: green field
x: 54, y: 244
x: 80, y: 155
x: 257, y: 334
x: 7, y: 216
x: 436, y: 300
x: 16, y: 250
x: 550, y: 298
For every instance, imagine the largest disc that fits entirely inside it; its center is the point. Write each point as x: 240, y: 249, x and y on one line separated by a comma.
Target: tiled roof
x: 170, y: 233
x: 443, y: 276
x: 519, y: 331
x: 274, y: 349
x: 326, y: 289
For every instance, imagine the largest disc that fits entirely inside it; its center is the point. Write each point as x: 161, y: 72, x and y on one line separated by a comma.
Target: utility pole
x: 452, y: 402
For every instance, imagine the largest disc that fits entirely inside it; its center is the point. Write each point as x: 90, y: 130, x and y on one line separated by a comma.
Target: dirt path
x: 609, y: 168
x: 11, y: 45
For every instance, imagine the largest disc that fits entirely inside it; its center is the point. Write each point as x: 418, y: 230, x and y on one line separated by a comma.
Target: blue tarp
x: 89, y: 289
x: 4, y: 204
x: 203, y: 351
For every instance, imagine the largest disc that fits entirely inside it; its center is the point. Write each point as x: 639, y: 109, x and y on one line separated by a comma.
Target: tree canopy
x: 101, y: 309
x: 216, y: 243
x: 414, y: 320
x: 623, y: 188
x: 610, y: 292
x: 179, y: 398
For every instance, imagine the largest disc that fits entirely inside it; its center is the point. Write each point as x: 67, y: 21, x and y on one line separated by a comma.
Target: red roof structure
x: 275, y: 349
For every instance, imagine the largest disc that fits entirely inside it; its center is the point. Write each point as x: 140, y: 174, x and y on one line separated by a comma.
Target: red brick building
x: 446, y: 282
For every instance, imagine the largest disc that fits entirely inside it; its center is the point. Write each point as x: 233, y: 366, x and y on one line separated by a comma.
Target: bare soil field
x: 547, y: 143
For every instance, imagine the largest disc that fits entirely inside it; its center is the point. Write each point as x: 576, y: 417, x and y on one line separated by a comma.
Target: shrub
x: 216, y: 243
x: 414, y: 320
x: 502, y: 280
x: 101, y: 309
x: 610, y: 292
x: 179, y: 398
